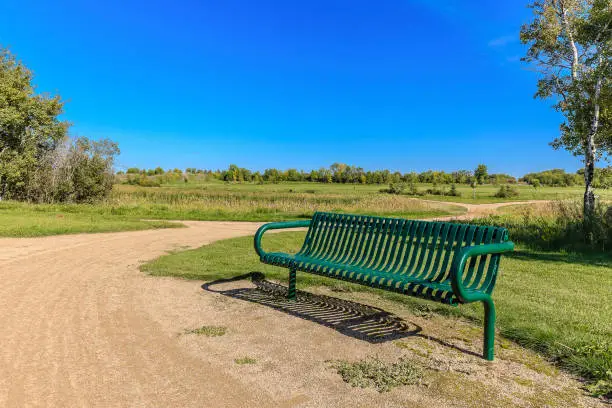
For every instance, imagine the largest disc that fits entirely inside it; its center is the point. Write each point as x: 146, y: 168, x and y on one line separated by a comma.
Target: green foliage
x: 554, y: 177
x: 372, y: 372
x: 453, y: 191
x: 603, y: 387
x: 569, y: 44
x: 342, y: 173
x: 208, y: 331
x: 29, y: 126
x: 245, y: 360
x: 143, y: 181
x: 397, y: 188
x: 507, y: 192
x: 38, y: 162
x: 481, y: 173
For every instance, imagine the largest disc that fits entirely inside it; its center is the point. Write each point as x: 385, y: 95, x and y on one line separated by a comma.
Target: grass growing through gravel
x: 208, y: 331
x: 372, y: 372
x: 553, y: 302
x: 27, y: 220
x: 245, y: 360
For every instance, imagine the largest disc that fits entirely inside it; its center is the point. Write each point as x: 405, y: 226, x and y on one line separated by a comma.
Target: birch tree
x: 570, y: 43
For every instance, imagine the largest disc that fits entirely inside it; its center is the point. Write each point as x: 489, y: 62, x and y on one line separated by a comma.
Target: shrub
x: 507, y: 191
x: 78, y: 170
x: 397, y: 188
x: 453, y: 191
x: 413, y: 190
x: 143, y: 181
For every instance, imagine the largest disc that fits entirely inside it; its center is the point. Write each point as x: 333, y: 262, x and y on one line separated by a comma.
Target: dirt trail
x: 480, y: 210
x: 82, y: 326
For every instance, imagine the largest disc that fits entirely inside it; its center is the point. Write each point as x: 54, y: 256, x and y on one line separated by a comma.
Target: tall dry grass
x: 199, y: 203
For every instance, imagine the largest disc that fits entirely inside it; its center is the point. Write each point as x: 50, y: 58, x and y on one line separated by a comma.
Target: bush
x: 442, y: 191
x: 453, y: 191
x: 76, y: 171
x: 507, y: 192
x: 144, y: 181
x: 395, y: 188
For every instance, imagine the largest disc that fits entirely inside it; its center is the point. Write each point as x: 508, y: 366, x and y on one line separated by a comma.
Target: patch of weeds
x: 208, y: 331
x: 245, y: 360
x: 602, y: 388
x: 406, y: 346
x: 372, y: 372
x: 531, y: 361
x: 342, y: 289
x: 457, y: 386
x: 523, y: 381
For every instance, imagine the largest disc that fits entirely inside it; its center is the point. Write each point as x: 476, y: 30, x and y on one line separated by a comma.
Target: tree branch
x: 570, y: 37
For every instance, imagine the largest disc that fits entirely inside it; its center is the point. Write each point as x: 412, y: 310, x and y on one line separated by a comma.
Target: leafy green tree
x: 570, y: 45
x: 481, y: 173
x: 29, y: 126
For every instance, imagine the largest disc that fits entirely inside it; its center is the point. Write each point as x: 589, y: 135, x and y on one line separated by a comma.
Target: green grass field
x: 128, y: 205
x: 483, y: 193
x: 214, y: 200
x: 26, y: 220
x: 555, y: 303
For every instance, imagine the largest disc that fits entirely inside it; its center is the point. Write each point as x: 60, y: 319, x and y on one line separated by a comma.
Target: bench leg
x: 292, y: 279
x: 489, y: 329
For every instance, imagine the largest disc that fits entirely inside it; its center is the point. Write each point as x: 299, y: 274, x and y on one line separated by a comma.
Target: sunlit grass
x: 27, y: 220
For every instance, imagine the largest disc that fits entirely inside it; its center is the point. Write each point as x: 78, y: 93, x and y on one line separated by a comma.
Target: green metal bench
x: 440, y: 261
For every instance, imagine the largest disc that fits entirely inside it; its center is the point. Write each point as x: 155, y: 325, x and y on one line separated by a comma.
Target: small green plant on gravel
x: 208, y: 331
x: 373, y: 372
x: 245, y: 360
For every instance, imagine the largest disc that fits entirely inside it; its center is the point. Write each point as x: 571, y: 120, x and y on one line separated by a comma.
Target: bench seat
x: 445, y: 262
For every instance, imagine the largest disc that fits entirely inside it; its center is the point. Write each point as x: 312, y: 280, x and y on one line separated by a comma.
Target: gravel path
x: 82, y: 326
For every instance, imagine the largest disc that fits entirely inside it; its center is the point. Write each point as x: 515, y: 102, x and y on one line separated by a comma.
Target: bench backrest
x: 422, y: 248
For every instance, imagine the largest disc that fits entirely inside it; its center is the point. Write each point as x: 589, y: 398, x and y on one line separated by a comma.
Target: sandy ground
x: 82, y: 326
x: 479, y: 210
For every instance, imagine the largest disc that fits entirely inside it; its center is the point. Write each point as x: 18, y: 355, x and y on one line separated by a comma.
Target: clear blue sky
x: 398, y: 84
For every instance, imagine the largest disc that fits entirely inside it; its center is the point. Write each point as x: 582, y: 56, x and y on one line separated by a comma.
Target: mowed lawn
x: 557, y: 304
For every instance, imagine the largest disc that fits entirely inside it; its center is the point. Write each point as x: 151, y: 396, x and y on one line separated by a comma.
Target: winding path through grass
x: 83, y: 326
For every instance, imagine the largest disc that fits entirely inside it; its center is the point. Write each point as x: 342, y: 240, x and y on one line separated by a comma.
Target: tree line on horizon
x: 347, y: 174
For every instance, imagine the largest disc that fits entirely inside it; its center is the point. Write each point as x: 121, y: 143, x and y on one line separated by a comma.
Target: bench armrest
x: 275, y: 225
x: 459, y: 265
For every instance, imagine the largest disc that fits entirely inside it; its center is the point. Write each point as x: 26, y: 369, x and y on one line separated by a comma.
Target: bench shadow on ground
x: 353, y: 319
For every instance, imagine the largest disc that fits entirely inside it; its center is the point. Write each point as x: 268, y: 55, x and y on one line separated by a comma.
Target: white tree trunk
x: 590, y: 155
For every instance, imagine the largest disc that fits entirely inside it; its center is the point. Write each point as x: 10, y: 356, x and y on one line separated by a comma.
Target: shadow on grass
x: 363, y: 322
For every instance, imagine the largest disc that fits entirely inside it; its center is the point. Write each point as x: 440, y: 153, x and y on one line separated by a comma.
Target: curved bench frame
x: 458, y: 294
